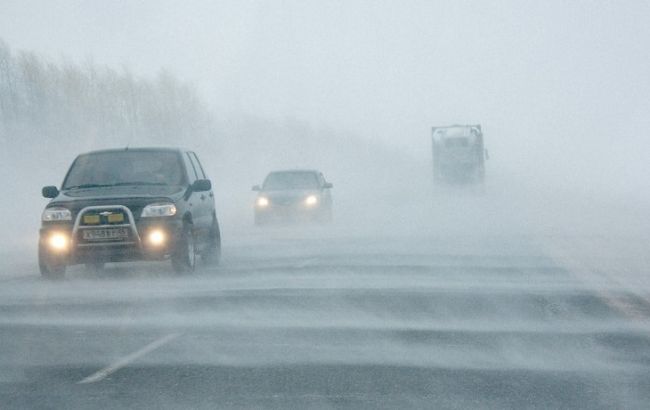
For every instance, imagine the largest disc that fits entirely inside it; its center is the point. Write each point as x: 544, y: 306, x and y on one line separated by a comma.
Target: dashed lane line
x: 128, y: 359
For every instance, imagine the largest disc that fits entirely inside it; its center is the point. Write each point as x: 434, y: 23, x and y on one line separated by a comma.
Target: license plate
x: 105, y: 234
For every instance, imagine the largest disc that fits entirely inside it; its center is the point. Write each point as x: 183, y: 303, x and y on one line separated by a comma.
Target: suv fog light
x: 58, y: 242
x: 157, y: 237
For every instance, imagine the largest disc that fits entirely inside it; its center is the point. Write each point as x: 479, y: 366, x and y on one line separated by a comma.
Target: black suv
x: 130, y: 204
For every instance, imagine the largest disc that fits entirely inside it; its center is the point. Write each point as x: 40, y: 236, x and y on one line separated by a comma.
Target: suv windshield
x: 125, y: 168
x: 290, y: 180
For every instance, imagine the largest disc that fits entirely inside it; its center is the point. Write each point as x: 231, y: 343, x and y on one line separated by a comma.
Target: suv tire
x: 49, y: 269
x: 212, y: 252
x: 184, y: 256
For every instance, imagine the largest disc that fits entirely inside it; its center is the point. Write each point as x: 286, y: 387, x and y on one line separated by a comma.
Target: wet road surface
x: 297, y: 319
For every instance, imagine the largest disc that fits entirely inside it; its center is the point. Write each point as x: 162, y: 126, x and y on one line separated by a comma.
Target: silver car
x: 293, y: 196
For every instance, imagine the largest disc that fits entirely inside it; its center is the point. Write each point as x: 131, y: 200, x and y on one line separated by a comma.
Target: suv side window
x: 198, y: 166
x: 191, y: 169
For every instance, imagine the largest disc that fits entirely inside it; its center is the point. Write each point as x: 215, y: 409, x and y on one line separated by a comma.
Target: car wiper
x: 138, y: 183
x: 84, y: 186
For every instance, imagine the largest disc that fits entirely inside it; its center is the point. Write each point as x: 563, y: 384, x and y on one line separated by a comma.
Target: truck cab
x: 458, y: 154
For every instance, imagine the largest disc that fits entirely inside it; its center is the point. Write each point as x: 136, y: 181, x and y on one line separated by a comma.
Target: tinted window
x: 125, y: 167
x: 291, y: 180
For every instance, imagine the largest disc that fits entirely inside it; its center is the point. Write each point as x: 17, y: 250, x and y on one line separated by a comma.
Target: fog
x: 351, y: 89
x: 560, y: 89
x: 541, y: 270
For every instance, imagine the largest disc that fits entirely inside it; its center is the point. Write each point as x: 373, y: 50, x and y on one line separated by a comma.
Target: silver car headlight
x: 56, y: 214
x: 311, y: 200
x: 154, y: 210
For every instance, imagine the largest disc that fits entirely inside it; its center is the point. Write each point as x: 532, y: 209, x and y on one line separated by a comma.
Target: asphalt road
x: 316, y: 318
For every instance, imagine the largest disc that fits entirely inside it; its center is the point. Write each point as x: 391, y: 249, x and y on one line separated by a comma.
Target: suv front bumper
x: 148, y: 239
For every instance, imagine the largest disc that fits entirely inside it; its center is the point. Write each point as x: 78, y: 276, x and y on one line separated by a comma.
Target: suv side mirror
x: 50, y: 191
x: 256, y: 188
x: 201, y: 185
x: 328, y: 185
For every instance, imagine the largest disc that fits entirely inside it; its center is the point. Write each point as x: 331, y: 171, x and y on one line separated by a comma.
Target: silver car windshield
x: 290, y: 180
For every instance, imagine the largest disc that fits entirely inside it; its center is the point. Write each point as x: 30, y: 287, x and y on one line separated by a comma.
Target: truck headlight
x: 154, y: 210
x: 56, y: 214
x: 311, y: 200
x: 262, y: 202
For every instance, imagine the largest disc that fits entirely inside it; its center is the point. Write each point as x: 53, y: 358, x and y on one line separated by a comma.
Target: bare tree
x: 46, y: 104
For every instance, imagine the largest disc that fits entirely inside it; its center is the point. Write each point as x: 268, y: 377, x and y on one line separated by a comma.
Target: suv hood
x: 133, y: 197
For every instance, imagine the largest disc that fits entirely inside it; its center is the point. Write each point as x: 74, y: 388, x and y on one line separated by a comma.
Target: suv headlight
x: 154, y: 210
x: 56, y: 214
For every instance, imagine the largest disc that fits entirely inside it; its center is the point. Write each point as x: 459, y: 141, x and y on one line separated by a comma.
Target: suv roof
x: 137, y: 149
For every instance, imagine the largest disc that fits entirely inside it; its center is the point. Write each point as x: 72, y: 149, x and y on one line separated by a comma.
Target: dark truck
x: 458, y: 154
x: 130, y: 204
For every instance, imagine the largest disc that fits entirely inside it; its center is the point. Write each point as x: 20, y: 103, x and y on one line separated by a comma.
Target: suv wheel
x: 50, y: 268
x: 212, y: 253
x: 184, y: 256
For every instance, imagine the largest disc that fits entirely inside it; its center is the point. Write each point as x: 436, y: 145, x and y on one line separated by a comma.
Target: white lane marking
x: 587, y: 270
x: 305, y: 263
x: 126, y: 360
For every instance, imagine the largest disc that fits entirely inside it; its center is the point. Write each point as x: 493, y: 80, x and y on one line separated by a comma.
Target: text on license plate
x: 104, y: 234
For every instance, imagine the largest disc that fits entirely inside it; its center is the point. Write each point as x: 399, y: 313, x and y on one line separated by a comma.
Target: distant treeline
x: 52, y: 111
x: 43, y: 103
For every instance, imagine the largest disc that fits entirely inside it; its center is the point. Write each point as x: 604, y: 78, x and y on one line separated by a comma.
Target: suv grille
x: 104, y: 217
x: 105, y: 225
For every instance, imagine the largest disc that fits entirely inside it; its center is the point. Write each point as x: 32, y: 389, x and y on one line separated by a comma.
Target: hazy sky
x: 387, y: 70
